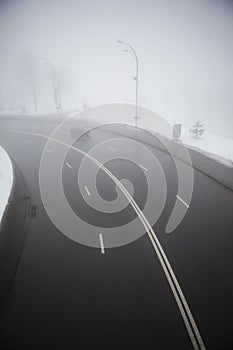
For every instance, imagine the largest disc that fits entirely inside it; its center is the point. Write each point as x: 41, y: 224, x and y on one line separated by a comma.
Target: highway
x: 65, y: 295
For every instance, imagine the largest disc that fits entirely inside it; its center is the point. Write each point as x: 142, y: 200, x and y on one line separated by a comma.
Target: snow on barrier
x: 216, y: 169
x: 6, y: 182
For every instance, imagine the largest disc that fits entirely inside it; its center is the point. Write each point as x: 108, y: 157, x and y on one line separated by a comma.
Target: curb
x: 3, y: 219
x: 11, y: 239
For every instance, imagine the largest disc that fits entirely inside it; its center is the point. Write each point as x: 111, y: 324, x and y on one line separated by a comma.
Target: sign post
x: 176, y: 132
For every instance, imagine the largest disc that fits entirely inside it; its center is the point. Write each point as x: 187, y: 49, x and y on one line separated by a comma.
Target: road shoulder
x: 13, y: 227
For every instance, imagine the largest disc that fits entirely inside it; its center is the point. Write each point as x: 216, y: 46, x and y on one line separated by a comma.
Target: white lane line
x: 180, y: 299
x: 69, y: 166
x: 112, y: 149
x: 141, y: 166
x: 101, y: 243
x: 182, y: 201
x: 27, y: 142
x: 88, y: 192
x: 47, y: 150
x: 85, y: 137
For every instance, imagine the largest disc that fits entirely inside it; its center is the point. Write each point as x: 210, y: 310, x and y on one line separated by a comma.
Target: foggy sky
x: 185, y: 51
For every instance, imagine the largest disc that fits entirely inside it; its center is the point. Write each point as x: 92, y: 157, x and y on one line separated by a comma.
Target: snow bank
x: 216, y: 147
x: 6, y: 180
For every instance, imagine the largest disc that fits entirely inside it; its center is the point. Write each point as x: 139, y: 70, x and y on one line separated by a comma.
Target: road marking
x: 88, y: 192
x: 182, y: 201
x: 179, y: 297
x: 141, y: 166
x: 101, y: 243
x: 85, y: 137
x: 27, y: 142
x: 112, y: 149
x: 47, y: 150
x: 69, y: 166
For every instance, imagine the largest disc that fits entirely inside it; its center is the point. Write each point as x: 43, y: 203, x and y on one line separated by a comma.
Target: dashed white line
x: 112, y: 149
x: 101, y: 243
x: 182, y: 201
x: 88, y: 192
x: 141, y: 166
x: 69, y: 166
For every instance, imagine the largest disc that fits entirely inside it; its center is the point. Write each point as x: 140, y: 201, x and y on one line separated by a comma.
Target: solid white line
x: 180, y: 299
x: 169, y: 273
x: 88, y: 192
x: 141, y: 166
x: 112, y: 149
x: 69, y: 166
x: 101, y: 243
x: 182, y: 201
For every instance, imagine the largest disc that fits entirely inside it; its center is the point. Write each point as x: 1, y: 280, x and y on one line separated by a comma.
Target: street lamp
x: 133, y: 52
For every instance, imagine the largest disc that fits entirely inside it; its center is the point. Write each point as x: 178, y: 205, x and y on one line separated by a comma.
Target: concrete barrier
x: 14, y: 225
x: 215, y: 170
x: 7, y: 182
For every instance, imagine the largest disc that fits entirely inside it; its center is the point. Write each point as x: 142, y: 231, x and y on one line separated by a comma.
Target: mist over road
x: 66, y: 295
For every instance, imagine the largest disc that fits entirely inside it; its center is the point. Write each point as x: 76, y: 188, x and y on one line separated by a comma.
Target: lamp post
x: 131, y: 50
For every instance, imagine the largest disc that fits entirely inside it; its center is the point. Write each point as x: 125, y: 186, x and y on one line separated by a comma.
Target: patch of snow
x: 217, y: 147
x: 6, y: 180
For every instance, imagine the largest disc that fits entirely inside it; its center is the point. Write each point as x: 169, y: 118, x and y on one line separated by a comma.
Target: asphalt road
x: 69, y: 296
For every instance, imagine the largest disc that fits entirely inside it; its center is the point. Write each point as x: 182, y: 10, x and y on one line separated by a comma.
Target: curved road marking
x: 101, y: 243
x: 88, y: 192
x: 142, y: 167
x: 69, y: 166
x: 181, y: 302
x: 112, y: 149
x: 182, y: 201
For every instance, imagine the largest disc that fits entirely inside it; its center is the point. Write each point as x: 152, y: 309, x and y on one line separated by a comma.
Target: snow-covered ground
x: 6, y: 180
x: 213, y: 146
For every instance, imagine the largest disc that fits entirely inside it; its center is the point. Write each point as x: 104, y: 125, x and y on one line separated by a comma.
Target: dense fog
x: 184, y: 49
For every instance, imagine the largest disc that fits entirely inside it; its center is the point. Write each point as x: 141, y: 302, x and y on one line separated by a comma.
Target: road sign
x: 176, y: 131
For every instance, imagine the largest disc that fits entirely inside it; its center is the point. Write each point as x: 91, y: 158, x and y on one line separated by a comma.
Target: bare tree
x: 28, y: 75
x: 60, y: 82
